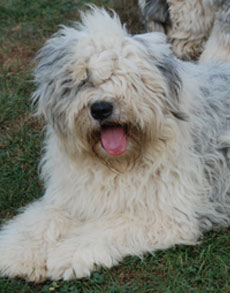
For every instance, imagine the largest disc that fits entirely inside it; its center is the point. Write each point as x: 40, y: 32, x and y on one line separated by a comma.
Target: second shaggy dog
x: 195, y: 28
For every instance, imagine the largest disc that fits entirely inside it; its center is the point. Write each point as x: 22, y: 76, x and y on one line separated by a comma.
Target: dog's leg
x: 218, y: 44
x: 105, y: 243
x: 24, y: 241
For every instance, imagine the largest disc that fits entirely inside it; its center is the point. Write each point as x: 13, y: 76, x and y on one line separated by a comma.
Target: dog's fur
x: 171, y: 183
x: 197, y: 29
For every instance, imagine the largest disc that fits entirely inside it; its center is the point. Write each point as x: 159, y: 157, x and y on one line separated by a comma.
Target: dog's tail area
x: 218, y: 44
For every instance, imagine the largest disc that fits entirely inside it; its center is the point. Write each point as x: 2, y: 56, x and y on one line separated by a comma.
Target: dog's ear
x: 169, y: 67
x: 160, y: 55
x: 53, y: 75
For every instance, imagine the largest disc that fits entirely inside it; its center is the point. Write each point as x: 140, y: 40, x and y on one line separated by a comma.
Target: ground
x: 24, y: 26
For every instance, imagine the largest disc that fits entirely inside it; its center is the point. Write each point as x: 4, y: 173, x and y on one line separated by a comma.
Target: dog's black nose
x: 101, y: 110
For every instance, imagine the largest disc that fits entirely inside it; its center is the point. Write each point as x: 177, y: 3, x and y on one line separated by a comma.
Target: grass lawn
x: 24, y: 26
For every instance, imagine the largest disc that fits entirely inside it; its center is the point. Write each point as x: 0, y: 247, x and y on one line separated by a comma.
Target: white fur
x: 170, y: 184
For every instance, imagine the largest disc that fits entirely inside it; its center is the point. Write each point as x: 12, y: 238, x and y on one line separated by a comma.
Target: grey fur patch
x: 59, y: 109
x: 168, y: 68
x: 56, y: 89
x: 157, y: 11
x: 211, y: 136
x: 223, y: 17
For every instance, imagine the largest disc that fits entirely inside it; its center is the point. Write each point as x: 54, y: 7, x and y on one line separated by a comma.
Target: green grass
x: 24, y: 26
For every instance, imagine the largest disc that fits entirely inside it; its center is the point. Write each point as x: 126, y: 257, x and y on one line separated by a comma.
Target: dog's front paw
x: 21, y: 261
x: 62, y: 264
x: 59, y: 268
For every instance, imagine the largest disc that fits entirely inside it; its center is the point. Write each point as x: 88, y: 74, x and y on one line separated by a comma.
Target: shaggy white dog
x: 137, y: 152
x: 193, y: 27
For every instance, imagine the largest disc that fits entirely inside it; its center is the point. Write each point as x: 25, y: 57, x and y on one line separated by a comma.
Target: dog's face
x: 105, y: 93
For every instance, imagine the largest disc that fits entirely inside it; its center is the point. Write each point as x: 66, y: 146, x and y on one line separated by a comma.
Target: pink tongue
x: 114, y: 140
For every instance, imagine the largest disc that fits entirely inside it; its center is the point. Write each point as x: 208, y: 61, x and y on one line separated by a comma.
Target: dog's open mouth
x: 114, y: 139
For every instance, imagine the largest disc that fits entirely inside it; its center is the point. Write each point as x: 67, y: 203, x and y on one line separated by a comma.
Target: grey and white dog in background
x: 137, y: 152
x: 197, y: 29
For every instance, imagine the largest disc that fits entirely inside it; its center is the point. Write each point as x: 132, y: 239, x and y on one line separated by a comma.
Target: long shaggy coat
x: 170, y: 181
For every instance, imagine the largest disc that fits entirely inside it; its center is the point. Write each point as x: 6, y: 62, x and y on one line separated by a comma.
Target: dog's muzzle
x: 112, y: 135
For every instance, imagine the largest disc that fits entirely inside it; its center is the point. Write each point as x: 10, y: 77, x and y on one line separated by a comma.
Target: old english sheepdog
x: 137, y: 152
x: 193, y: 27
